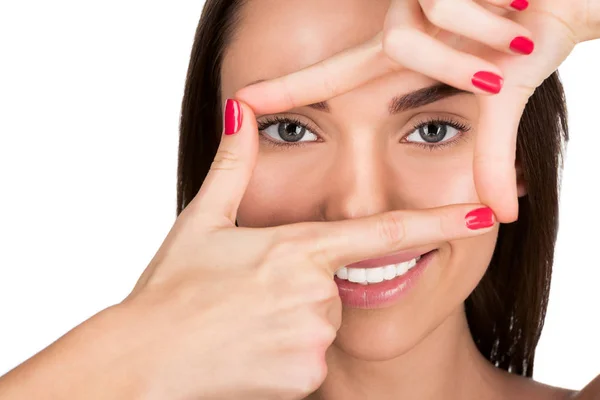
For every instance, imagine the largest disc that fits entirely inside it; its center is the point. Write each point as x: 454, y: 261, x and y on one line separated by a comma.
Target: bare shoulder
x: 526, y: 388
x: 590, y: 392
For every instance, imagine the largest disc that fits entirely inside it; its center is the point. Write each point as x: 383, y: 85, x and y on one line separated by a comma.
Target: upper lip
x: 396, y: 258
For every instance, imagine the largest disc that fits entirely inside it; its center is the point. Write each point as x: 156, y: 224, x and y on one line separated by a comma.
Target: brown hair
x: 506, y: 310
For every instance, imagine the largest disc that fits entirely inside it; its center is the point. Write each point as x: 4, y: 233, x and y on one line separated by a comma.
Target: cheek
x: 288, y: 188
x: 281, y: 191
x: 427, y: 179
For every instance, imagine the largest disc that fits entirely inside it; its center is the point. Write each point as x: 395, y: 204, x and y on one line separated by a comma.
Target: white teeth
x: 389, y: 272
x: 366, y: 276
x: 342, y: 273
x: 375, y: 275
x: 402, y: 268
x: 357, y: 275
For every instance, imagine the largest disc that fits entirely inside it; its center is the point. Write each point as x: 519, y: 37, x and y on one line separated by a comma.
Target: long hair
x: 506, y: 310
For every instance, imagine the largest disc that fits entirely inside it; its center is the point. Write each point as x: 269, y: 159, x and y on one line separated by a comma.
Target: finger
x: 420, y: 52
x: 231, y: 170
x: 513, y: 5
x: 406, y: 48
x: 495, y: 152
x: 321, y: 81
x: 406, y: 42
x: 336, y: 244
x: 484, y: 26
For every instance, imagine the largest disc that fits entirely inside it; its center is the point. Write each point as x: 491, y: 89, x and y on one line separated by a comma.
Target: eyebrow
x: 418, y: 98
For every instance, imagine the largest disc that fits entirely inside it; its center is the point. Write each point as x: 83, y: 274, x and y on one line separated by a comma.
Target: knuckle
x: 328, y: 79
x: 284, y: 245
x: 334, y: 314
x: 326, y: 335
x: 225, y: 160
x: 437, y: 10
x: 391, y: 228
x: 397, y: 45
x: 445, y: 225
x: 314, y: 374
x: 330, y: 290
x: 300, y: 241
x: 287, y: 90
x: 285, y: 249
x: 321, y: 288
x: 392, y: 39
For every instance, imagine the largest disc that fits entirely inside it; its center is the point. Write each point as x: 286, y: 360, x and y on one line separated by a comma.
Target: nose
x: 359, y: 183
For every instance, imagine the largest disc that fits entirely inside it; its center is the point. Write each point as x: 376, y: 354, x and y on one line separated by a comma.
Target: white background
x: 90, y: 98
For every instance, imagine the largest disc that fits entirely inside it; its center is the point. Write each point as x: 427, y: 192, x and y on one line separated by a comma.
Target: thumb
x: 231, y: 170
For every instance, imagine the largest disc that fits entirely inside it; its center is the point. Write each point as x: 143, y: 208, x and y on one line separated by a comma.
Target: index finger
x: 495, y: 151
x: 397, y: 234
x: 322, y: 81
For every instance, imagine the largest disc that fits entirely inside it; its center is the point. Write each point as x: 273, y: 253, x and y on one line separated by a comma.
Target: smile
x: 364, y: 285
x: 366, y: 276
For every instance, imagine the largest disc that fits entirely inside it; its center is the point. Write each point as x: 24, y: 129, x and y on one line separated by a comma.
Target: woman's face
x: 359, y: 159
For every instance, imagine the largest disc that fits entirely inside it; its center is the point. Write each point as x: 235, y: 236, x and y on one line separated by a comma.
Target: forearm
x: 95, y: 360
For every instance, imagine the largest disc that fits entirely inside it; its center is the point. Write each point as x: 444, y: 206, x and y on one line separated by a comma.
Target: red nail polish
x: 487, y: 81
x: 233, y: 117
x: 519, y: 5
x: 522, y: 45
x: 480, y: 218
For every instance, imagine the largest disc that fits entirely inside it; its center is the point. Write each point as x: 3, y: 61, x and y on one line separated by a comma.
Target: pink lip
x: 387, y: 260
x: 384, y: 294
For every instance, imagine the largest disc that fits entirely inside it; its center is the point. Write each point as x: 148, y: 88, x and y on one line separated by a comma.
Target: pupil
x: 291, y: 132
x: 433, y: 133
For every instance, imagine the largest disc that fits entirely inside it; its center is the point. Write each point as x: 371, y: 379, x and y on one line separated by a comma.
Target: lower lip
x: 383, y: 294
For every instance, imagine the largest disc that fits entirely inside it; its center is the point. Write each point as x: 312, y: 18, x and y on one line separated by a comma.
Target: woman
x: 385, y: 177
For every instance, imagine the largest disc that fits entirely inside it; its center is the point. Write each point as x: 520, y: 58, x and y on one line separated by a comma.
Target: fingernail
x: 487, y: 81
x: 519, y: 5
x: 522, y: 45
x: 233, y: 117
x: 480, y: 218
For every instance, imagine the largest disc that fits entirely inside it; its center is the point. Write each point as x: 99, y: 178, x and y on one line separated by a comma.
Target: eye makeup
x: 266, y: 122
x: 269, y: 121
x: 462, y: 128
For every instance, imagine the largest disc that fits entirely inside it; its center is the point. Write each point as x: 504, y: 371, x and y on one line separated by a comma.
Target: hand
x: 233, y: 312
x: 427, y: 36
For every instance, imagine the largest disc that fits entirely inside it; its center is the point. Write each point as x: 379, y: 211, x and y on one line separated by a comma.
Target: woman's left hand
x: 556, y: 27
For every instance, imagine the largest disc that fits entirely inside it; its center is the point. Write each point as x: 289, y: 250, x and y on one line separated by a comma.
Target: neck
x: 444, y: 365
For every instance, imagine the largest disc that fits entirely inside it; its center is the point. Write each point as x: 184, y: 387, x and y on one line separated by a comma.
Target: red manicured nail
x: 480, y: 218
x: 522, y: 45
x: 233, y: 117
x: 519, y: 5
x: 487, y: 81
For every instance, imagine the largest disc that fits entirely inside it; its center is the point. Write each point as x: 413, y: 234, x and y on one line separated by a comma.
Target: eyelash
x: 278, y: 119
x: 461, y: 127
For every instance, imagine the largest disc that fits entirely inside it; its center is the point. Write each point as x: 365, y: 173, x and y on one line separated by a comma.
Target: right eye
x: 283, y: 130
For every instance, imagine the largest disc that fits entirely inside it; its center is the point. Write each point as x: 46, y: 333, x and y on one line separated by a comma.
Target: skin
x: 427, y: 36
x: 419, y: 347
x: 160, y: 342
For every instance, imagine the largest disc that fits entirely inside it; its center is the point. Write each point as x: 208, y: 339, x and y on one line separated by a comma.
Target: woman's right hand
x: 232, y: 312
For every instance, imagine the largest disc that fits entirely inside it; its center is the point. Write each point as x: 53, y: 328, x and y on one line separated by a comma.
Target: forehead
x: 276, y: 37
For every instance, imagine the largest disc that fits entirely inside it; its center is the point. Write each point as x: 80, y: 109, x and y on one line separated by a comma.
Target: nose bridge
x: 357, y: 180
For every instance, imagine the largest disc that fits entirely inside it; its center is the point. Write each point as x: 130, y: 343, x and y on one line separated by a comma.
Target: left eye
x: 433, y: 133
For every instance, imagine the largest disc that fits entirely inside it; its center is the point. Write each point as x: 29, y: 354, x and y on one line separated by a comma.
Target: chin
x: 377, y: 340
x: 432, y: 311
